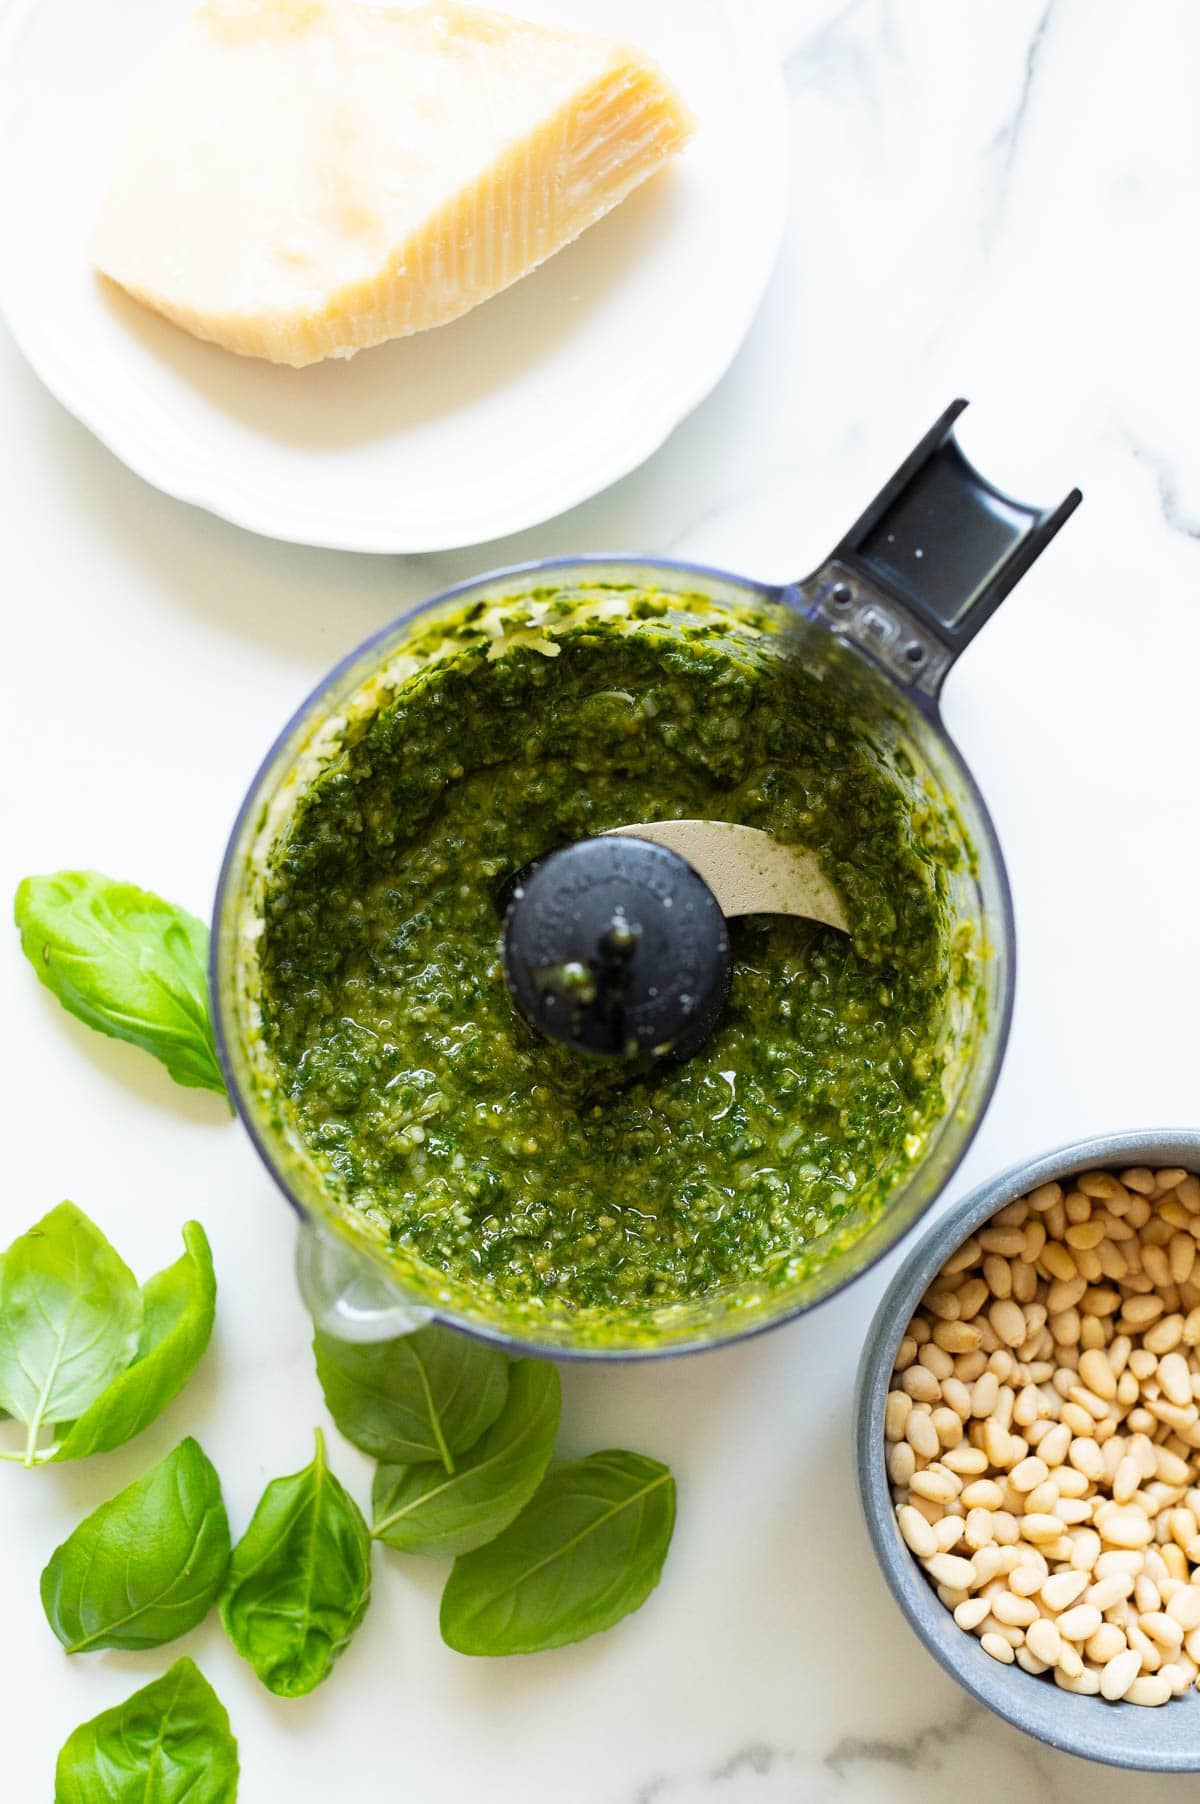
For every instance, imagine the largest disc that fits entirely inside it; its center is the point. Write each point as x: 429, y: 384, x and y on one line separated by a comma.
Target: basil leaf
x: 169, y: 1743
x: 70, y: 1317
x: 586, y: 1551
x: 300, y: 1580
x: 146, y: 1566
x: 125, y: 962
x: 425, y: 1510
x: 179, y: 1304
x: 426, y: 1396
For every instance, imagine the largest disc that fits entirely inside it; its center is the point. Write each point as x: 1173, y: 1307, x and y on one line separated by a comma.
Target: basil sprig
x: 544, y: 1555
x: 425, y: 1396
x: 125, y: 962
x: 587, y: 1551
x: 82, y: 1349
x: 146, y: 1566
x: 169, y: 1743
x: 423, y: 1509
x: 300, y: 1579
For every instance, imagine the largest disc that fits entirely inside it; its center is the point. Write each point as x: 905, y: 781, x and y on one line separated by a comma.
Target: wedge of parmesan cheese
x: 305, y: 178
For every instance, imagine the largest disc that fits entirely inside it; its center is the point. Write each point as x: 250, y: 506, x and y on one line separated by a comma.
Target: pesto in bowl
x: 507, y: 1169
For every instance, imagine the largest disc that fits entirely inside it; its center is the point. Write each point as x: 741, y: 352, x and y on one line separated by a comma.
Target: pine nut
x: 949, y: 1569
x: 917, y: 1533
x: 935, y: 1359
x: 1185, y: 1608
x: 1109, y: 1591
x: 1125, y: 1528
x: 947, y: 1426
x: 1044, y: 1641
x: 1027, y: 1579
x: 1174, y: 1377
x: 1008, y: 1242
x: 1126, y: 1480
x: 1078, y: 1623
x: 1038, y: 1528
x: 1124, y: 1559
x: 948, y: 1532
x: 1097, y: 1374
x: 956, y: 1337
x: 1150, y: 1689
x: 1053, y: 1445
x: 1015, y: 1612
x: 896, y: 1411
x: 1008, y: 1320
x: 984, y: 1395
x: 901, y: 1464
x: 1105, y: 1644
x: 921, y: 1435
x: 1161, y: 1628
x: 1062, y: 1589
x: 1146, y: 1595
x: 970, y: 1614
x: 1029, y: 1473
x: 936, y: 1483
x: 971, y: 1299
x: 1119, y: 1674
x: 983, y: 1494
x: 1086, y: 1684
x: 1044, y: 1419
x: 1087, y: 1458
x: 1058, y: 1262
x: 1141, y: 1311
x: 1181, y: 1250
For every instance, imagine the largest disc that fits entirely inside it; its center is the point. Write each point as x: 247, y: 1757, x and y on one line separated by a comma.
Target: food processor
x: 881, y: 621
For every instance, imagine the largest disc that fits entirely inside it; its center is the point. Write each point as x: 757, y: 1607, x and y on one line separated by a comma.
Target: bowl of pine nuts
x: 1028, y: 1440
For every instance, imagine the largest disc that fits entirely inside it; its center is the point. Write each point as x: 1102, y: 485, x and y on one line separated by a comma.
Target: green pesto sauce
x: 508, y: 1162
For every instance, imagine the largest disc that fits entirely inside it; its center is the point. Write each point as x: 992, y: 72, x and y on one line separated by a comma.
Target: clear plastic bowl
x: 356, y: 1286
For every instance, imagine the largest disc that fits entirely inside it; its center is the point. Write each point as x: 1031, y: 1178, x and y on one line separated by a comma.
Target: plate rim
x: 183, y: 480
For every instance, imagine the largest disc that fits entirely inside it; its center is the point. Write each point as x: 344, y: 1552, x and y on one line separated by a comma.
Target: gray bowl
x: 1163, y: 1740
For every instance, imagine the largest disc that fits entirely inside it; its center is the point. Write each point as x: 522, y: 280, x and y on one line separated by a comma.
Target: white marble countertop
x: 998, y: 200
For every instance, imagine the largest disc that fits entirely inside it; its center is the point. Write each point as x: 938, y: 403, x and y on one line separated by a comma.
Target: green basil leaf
x: 179, y: 1305
x: 586, y: 1551
x: 426, y: 1396
x: 300, y: 1580
x: 426, y: 1510
x: 125, y: 962
x: 146, y: 1566
x: 70, y: 1318
x: 169, y: 1743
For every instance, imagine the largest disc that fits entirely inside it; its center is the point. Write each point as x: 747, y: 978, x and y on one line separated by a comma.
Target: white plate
x: 536, y: 400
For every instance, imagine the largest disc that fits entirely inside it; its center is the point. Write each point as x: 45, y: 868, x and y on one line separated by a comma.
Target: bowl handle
x: 929, y: 562
x: 347, y: 1294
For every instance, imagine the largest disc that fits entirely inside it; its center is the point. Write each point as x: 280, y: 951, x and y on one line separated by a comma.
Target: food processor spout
x: 347, y: 1293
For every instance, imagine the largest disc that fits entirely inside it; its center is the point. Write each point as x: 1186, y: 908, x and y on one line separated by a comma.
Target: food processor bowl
x: 881, y: 622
